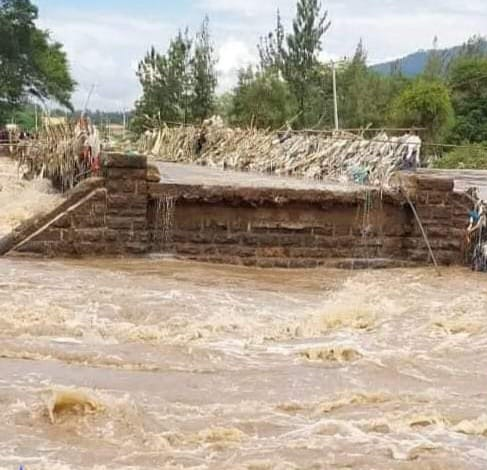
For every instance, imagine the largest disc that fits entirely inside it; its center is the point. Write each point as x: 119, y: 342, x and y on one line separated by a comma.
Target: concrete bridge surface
x: 190, y: 174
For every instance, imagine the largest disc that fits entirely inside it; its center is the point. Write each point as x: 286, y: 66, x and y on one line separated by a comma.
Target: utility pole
x: 85, y: 109
x: 335, y: 98
x: 36, y: 118
x: 124, y: 123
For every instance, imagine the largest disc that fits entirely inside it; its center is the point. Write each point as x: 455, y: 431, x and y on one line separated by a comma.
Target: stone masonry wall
x: 106, y: 218
x: 443, y: 213
x: 282, y: 228
x: 278, y: 227
x: 124, y: 214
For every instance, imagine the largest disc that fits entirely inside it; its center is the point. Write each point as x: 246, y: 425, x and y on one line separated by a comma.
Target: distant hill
x: 411, y: 65
x: 414, y: 64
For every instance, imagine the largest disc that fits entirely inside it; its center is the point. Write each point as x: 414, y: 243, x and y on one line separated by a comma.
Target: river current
x: 154, y: 363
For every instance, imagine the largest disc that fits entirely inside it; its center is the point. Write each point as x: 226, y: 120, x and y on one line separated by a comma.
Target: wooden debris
x: 340, y: 156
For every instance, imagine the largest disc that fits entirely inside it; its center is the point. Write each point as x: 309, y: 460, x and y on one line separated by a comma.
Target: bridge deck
x: 189, y: 174
x: 465, y: 179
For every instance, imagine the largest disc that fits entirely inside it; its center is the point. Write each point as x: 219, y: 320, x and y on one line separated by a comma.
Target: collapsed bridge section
x: 229, y: 218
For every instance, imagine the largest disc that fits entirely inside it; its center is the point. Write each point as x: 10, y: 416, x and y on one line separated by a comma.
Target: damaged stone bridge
x: 218, y: 216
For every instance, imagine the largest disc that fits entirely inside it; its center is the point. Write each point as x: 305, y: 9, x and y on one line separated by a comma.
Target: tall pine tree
x: 177, y: 87
x: 301, y: 55
x: 271, y: 48
x: 203, y: 75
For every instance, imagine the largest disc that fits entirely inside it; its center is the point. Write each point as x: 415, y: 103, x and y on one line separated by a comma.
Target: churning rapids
x: 145, y: 364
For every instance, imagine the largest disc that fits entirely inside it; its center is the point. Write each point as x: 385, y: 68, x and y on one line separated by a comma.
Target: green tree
x: 166, y: 85
x: 436, y: 64
x: 204, y: 74
x: 179, y: 86
x: 224, y: 105
x: 301, y: 64
x: 262, y: 99
x: 179, y: 76
x: 364, y: 95
x: 468, y: 83
x: 470, y: 157
x: 426, y: 105
x: 30, y: 62
x: 476, y: 46
x: 356, y: 101
x: 271, y: 48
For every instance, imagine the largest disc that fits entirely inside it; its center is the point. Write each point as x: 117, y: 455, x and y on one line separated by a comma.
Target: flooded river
x: 20, y: 199
x: 152, y: 363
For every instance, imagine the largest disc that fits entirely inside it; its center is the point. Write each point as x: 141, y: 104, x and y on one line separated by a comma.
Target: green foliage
x: 204, y: 75
x: 262, y: 99
x: 30, y: 62
x: 474, y: 157
x: 224, y: 105
x: 476, y: 46
x: 436, y: 63
x: 426, y: 105
x: 301, y: 66
x: 271, y: 48
x: 357, y: 99
x: 364, y: 96
x: 468, y: 83
x: 179, y: 86
x: 25, y: 117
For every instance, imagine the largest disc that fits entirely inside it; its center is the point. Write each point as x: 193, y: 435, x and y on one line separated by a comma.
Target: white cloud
x: 232, y: 55
x: 246, y: 8
x: 105, y: 49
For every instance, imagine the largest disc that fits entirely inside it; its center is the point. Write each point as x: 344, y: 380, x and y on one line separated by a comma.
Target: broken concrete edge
x: 252, y: 196
x: 414, y: 182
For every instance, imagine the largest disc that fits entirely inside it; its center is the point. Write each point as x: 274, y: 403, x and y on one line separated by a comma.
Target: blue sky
x: 105, y: 39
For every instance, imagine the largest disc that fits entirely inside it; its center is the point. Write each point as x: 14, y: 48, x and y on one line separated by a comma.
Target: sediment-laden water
x: 21, y: 199
x: 144, y: 364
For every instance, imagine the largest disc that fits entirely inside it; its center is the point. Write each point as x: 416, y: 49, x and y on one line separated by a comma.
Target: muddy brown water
x: 20, y: 199
x: 154, y: 363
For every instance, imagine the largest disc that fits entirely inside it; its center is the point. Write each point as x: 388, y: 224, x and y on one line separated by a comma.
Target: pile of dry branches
x: 338, y: 156
x: 55, y: 154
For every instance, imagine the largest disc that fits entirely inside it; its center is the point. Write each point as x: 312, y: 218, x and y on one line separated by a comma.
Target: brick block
x: 119, y: 223
x: 325, y: 242
x: 271, y: 252
x: 437, y: 197
x: 92, y: 235
x: 49, y: 235
x: 342, y: 230
x: 126, y: 174
x: 325, y: 230
x: 121, y: 185
x: 141, y: 188
x: 126, y: 200
x: 121, y: 160
x: 434, y: 183
x: 63, y: 222
x: 83, y: 221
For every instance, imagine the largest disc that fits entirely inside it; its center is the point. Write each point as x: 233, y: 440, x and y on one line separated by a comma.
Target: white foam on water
x: 215, y: 367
